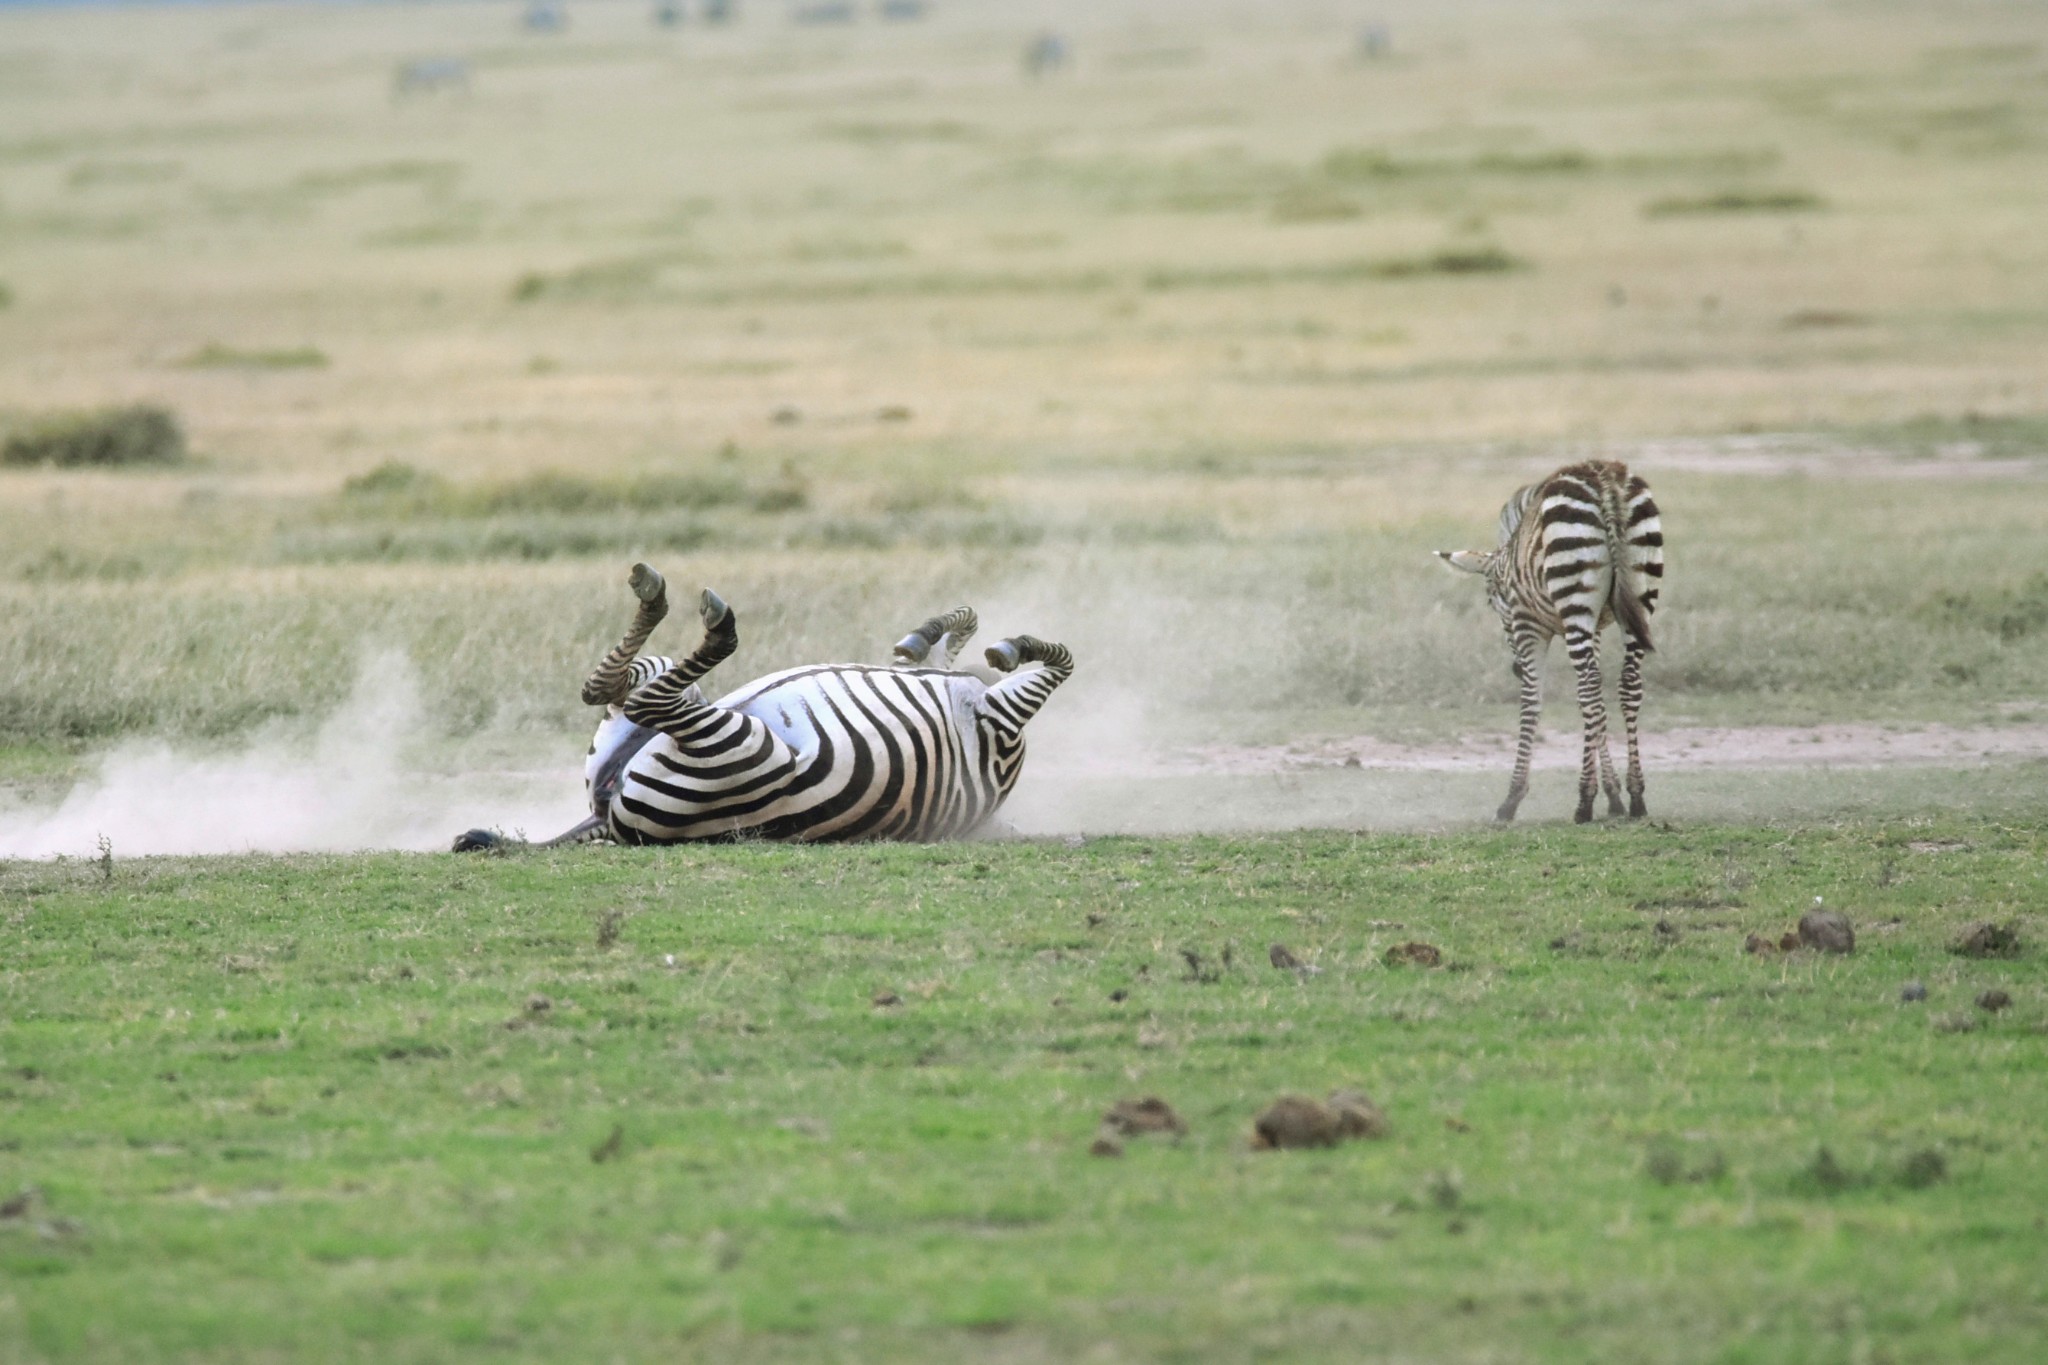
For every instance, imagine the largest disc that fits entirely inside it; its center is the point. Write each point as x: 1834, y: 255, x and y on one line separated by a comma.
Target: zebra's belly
x: 860, y: 753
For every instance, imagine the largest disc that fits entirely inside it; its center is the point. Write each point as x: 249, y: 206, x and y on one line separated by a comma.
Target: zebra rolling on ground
x: 828, y: 753
x: 1578, y: 549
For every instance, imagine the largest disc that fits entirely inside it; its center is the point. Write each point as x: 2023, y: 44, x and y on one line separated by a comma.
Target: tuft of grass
x: 141, y: 434
x: 216, y: 356
x: 1735, y: 201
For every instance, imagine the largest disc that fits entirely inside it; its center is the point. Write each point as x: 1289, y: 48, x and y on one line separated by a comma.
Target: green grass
x: 305, y: 1107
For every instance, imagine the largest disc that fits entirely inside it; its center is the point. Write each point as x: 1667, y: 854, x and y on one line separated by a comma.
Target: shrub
x: 141, y: 434
x: 1736, y: 201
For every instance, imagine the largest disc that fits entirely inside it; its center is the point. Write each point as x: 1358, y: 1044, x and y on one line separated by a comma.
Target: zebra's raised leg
x: 1631, y: 708
x: 1528, y: 669
x: 1584, y: 651
x: 949, y: 634
x: 1012, y: 702
x: 670, y: 699
x: 608, y: 685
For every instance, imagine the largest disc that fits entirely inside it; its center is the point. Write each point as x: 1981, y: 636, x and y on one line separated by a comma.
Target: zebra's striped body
x: 1577, y: 550
x: 834, y: 752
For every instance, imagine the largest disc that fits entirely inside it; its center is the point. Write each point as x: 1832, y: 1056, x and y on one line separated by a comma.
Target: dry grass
x: 1188, y: 354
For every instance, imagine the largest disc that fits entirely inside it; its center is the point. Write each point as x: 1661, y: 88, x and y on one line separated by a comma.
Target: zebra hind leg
x: 1529, y: 677
x: 1584, y: 649
x: 949, y: 634
x: 1631, y: 709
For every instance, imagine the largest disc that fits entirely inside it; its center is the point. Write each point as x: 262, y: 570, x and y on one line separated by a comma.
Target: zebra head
x: 1471, y: 561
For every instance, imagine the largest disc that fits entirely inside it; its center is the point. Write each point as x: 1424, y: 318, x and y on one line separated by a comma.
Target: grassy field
x: 644, y: 1106
x: 1187, y: 356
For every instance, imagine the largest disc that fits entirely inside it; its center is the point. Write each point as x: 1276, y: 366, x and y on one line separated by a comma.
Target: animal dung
x: 1132, y: 1119
x: 1826, y: 931
x: 1280, y: 957
x: 1991, y: 1002
x: 1986, y: 939
x: 1298, y: 1121
x: 885, y: 999
x: 1913, y: 992
x: 1413, y: 955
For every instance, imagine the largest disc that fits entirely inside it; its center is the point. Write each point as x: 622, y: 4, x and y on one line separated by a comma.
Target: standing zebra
x: 836, y: 752
x: 1592, y: 552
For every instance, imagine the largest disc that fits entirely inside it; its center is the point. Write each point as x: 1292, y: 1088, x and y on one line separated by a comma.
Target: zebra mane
x: 1512, y: 514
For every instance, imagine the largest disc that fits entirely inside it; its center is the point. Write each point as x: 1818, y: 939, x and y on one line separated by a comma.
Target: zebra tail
x: 1623, y: 596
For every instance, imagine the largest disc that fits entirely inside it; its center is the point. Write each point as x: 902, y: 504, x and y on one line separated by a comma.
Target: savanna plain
x: 1186, y: 352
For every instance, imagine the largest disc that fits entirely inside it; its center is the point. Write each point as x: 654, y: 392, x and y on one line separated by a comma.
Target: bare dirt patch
x: 1762, y: 746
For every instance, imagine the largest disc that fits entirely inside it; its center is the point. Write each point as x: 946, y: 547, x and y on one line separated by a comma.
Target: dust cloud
x: 362, y: 780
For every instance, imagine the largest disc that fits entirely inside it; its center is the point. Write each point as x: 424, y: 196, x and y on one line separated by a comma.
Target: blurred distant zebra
x: 830, y: 753
x: 1577, y: 550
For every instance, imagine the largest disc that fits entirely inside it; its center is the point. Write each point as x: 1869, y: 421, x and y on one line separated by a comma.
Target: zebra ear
x: 1471, y: 561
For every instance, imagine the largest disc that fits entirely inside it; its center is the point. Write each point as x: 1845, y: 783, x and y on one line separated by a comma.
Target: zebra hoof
x: 1003, y: 656
x: 913, y: 649
x: 1636, y: 809
x: 1584, y: 814
x: 477, y: 841
x: 714, y: 609
x: 647, y: 583
x: 1614, y: 806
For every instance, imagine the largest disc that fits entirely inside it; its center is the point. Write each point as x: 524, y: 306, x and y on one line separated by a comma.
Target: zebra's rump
x: 831, y: 753
x: 1597, y: 548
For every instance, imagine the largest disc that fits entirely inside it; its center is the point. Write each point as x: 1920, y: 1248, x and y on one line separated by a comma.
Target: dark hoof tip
x: 1637, y: 810
x: 1583, y: 815
x: 476, y: 841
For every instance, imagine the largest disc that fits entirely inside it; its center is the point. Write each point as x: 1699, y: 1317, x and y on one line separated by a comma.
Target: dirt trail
x: 1767, y: 746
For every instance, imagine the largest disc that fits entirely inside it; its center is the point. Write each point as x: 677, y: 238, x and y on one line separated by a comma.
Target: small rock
x: 1413, y: 955
x: 1988, y: 940
x: 1789, y: 943
x: 885, y: 999
x: 1096, y: 919
x: 1827, y: 931
x: 538, y: 1004
x: 1105, y: 1144
x: 1118, y: 996
x: 1913, y: 992
x: 1756, y: 945
x: 1991, y: 1002
x: 1135, y: 1118
x: 1280, y: 957
x: 19, y: 1204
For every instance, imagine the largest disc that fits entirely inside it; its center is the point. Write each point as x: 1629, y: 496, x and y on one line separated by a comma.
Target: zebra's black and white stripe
x: 1577, y: 550
x: 836, y: 752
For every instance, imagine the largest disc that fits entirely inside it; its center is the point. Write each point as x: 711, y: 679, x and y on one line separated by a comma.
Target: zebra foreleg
x: 608, y: 685
x: 669, y: 700
x: 1584, y: 650
x: 1528, y: 668
x: 950, y: 633
x: 1631, y: 708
